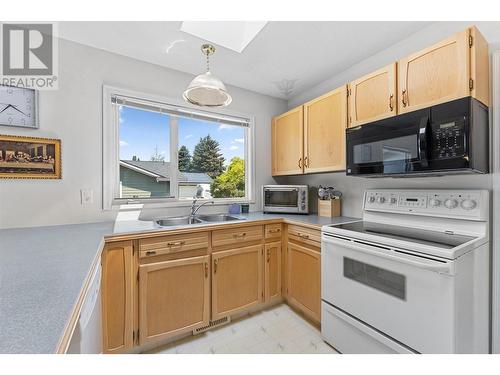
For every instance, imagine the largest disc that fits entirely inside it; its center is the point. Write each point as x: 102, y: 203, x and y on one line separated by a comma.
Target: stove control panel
x: 450, y: 203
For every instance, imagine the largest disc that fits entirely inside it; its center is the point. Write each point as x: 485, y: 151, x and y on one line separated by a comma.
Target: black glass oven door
x: 391, y: 146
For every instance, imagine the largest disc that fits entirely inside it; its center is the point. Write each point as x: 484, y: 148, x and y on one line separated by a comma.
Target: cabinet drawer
x: 238, y: 235
x: 273, y: 231
x: 172, y: 244
x: 305, y: 235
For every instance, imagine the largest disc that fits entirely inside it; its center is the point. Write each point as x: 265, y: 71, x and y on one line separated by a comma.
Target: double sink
x: 196, y: 219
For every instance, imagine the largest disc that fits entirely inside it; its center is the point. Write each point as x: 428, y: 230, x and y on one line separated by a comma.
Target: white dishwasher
x: 86, y: 338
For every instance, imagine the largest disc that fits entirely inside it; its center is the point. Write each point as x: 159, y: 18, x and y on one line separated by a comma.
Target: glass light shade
x: 208, y: 91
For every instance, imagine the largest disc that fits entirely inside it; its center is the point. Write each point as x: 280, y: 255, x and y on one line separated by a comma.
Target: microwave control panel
x: 448, y: 139
x: 459, y: 203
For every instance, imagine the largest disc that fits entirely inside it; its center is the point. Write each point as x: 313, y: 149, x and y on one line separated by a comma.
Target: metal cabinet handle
x: 150, y: 252
x: 274, y: 230
x: 215, y: 265
x: 206, y: 269
x: 403, y: 98
x: 239, y: 235
x: 300, y: 163
x: 268, y: 255
x: 178, y: 243
x: 304, y: 236
x: 391, y: 104
x: 306, y: 162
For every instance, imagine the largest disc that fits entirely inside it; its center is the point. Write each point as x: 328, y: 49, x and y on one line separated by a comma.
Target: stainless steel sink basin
x: 217, y: 218
x: 172, y: 221
x: 198, y: 219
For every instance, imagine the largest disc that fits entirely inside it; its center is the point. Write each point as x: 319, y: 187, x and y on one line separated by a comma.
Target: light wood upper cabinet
x: 451, y: 69
x: 304, y: 279
x: 117, y: 297
x: 373, y: 97
x: 174, y: 297
x: 272, y: 271
x: 325, y: 121
x: 479, y: 67
x: 287, y: 138
x: 236, y: 280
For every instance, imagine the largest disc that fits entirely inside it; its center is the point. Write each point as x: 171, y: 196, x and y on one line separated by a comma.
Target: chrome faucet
x: 194, y: 208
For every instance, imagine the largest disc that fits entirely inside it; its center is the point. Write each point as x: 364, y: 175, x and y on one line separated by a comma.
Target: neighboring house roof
x: 161, y: 171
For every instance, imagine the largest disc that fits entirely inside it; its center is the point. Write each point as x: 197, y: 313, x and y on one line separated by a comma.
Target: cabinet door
x: 272, y: 271
x: 435, y: 75
x: 325, y: 121
x: 236, y: 280
x: 117, y: 297
x: 373, y: 97
x: 304, y: 280
x: 287, y: 140
x: 174, y: 297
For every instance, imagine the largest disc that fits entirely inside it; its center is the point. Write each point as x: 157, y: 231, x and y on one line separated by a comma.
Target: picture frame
x: 30, y: 157
x: 18, y: 107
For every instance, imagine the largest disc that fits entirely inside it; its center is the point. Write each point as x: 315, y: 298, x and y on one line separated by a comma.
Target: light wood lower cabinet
x: 149, y: 298
x: 304, y: 279
x: 117, y: 297
x: 174, y: 297
x: 272, y: 271
x: 236, y: 280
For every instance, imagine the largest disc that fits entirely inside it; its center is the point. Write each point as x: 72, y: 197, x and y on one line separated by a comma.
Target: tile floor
x: 273, y: 331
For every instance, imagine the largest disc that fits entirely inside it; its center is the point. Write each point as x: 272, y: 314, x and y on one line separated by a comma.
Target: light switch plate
x: 87, y: 196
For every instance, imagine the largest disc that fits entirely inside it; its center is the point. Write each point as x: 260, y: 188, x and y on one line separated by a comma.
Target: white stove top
x: 441, y: 223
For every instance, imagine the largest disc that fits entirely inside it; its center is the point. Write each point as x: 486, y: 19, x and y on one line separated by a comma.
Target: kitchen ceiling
x: 284, y: 59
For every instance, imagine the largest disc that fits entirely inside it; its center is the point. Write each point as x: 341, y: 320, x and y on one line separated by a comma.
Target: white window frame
x: 111, y: 151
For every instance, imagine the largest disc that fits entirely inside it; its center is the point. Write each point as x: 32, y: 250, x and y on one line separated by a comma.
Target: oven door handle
x: 443, y: 266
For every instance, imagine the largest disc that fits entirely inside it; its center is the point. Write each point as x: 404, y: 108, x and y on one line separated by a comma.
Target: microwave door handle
x: 445, y: 267
x: 422, y: 141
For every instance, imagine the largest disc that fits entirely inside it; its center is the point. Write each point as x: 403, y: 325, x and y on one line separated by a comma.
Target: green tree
x: 231, y: 183
x: 184, y: 159
x: 207, y: 157
x: 135, y: 158
x: 157, y: 156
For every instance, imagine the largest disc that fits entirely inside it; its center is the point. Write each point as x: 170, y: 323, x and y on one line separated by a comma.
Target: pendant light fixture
x: 207, y: 90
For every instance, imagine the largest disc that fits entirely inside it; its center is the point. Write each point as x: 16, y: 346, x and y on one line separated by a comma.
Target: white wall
x: 74, y: 114
x: 353, y: 187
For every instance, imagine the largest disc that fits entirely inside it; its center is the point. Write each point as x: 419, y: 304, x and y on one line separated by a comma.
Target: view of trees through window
x: 216, y: 150
x: 211, y: 156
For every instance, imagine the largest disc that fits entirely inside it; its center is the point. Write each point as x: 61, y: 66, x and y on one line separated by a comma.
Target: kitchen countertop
x: 44, y: 269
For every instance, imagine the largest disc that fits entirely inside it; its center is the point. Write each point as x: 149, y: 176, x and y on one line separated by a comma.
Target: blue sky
x: 141, y: 131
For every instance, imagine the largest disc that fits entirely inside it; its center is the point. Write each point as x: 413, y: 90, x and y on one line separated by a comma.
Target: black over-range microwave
x: 448, y: 138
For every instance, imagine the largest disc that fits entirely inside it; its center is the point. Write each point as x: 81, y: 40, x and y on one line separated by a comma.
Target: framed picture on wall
x: 29, y: 157
x: 18, y: 107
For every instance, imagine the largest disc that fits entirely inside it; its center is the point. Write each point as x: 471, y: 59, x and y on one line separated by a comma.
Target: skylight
x: 235, y: 35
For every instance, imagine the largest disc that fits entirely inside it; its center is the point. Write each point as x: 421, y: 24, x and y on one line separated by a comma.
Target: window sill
x: 123, y: 206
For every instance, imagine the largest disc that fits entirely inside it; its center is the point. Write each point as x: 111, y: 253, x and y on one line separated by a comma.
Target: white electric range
x: 411, y: 277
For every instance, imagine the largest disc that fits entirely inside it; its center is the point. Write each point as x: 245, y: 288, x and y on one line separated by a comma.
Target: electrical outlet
x: 87, y: 196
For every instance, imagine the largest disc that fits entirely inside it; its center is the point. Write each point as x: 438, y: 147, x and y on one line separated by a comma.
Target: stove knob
x: 393, y: 200
x: 468, y: 204
x: 381, y: 200
x: 450, y: 203
x: 434, y: 202
x: 371, y: 199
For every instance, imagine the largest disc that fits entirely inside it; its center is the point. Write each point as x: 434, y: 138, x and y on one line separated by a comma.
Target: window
x: 159, y: 152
